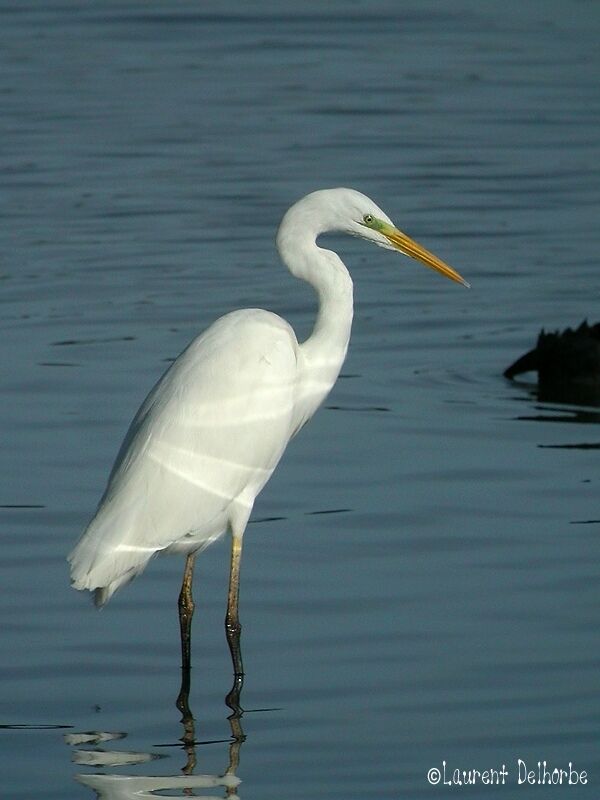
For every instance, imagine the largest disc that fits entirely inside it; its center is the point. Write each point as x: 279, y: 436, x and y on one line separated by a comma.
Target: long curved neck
x: 324, y: 351
x: 331, y: 332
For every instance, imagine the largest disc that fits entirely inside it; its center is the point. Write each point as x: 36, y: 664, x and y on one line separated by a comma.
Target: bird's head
x: 367, y: 221
x: 350, y: 211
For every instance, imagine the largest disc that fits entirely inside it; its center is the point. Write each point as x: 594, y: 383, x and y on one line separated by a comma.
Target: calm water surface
x: 420, y: 576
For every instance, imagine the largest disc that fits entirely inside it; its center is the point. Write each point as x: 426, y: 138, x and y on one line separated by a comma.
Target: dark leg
x: 186, y: 612
x: 232, y: 621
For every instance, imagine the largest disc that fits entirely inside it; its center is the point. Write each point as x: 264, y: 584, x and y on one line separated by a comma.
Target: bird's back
x: 201, y: 447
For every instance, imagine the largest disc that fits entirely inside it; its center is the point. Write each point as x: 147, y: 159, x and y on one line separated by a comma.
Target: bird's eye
x: 368, y: 219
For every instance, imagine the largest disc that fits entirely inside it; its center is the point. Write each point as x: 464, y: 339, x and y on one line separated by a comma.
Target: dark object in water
x: 567, y: 364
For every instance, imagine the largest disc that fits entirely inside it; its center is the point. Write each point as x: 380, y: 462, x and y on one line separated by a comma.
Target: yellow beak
x: 413, y: 249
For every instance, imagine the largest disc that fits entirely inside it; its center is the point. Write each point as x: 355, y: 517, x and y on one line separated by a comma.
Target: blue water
x: 420, y: 577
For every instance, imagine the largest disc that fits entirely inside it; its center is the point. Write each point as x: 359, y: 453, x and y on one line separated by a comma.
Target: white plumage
x: 210, y: 433
x: 201, y: 447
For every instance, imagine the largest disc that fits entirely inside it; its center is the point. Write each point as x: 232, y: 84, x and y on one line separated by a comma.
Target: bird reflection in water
x: 232, y: 700
x: 133, y: 787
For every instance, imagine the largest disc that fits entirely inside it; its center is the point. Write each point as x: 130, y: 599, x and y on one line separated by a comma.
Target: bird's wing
x: 207, y: 437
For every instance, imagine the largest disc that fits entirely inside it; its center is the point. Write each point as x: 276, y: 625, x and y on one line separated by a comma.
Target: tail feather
x: 102, y: 561
x: 102, y: 594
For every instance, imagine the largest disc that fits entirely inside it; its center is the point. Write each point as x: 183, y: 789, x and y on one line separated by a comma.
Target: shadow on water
x: 567, y: 408
x: 584, y: 395
x: 120, y: 787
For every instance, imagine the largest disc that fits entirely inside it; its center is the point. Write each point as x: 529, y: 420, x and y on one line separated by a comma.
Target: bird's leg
x: 186, y: 612
x: 232, y: 620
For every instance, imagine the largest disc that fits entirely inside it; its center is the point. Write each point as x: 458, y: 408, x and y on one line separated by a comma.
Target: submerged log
x: 567, y: 363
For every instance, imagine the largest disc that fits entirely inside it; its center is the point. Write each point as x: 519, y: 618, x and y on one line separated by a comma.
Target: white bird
x: 212, y: 430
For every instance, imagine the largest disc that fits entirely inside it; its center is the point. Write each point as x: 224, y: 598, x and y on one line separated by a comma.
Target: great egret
x: 212, y: 430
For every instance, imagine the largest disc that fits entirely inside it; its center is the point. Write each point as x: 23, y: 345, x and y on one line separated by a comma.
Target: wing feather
x: 205, y: 440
